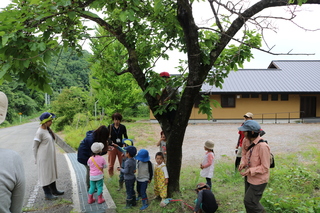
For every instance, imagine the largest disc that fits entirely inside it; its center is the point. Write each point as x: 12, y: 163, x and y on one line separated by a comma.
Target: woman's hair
x: 101, y: 135
x: 51, y: 133
x: 117, y: 116
x: 254, y: 135
x: 159, y: 154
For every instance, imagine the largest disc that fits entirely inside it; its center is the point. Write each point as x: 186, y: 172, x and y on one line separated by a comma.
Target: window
x: 245, y: 96
x: 264, y: 97
x: 274, y: 97
x: 228, y: 101
x: 254, y: 95
x: 284, y: 97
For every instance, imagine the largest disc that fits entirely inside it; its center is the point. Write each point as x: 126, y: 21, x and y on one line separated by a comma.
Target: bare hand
x: 245, y: 173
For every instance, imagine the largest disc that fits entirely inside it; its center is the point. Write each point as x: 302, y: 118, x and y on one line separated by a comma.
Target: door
x: 308, y: 106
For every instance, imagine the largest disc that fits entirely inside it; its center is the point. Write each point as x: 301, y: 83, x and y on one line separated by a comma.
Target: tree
x: 32, y: 29
x: 114, y: 92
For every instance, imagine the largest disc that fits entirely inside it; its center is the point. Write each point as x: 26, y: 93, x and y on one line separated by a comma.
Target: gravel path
x: 282, y: 138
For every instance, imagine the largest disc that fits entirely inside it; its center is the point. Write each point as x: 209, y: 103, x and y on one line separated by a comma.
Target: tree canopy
x: 32, y: 30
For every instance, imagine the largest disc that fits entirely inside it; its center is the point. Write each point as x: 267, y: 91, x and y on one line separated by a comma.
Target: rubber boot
x: 54, y: 189
x: 128, y: 204
x: 100, y: 199
x: 144, y: 204
x: 91, y: 199
x: 120, y: 185
x: 134, y: 201
x: 138, y: 198
x: 47, y: 193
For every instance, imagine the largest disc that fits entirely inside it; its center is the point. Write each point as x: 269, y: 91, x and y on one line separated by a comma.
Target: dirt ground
x: 282, y: 138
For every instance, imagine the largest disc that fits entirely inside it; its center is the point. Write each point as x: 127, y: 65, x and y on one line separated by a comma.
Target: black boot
x: 54, y: 190
x: 120, y: 185
x: 133, y: 201
x: 128, y: 204
x: 48, y: 194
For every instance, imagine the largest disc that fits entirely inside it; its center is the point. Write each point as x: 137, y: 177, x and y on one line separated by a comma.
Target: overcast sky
x: 288, y: 37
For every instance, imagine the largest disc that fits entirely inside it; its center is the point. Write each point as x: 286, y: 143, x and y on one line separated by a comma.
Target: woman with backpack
x: 84, y: 150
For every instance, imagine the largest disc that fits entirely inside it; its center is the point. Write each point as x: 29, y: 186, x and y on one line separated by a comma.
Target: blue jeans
x: 96, y: 184
x: 130, y: 188
x: 142, y: 189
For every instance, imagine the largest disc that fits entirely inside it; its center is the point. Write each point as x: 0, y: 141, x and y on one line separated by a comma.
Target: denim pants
x: 130, y: 188
x: 142, y: 189
x: 253, y: 194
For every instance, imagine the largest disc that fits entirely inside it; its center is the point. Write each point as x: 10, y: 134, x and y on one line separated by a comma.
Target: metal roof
x: 282, y: 76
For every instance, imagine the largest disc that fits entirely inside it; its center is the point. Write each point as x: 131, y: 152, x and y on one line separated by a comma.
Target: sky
x: 288, y: 38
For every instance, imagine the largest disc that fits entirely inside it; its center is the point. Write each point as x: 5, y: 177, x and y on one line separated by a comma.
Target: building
x: 287, y: 89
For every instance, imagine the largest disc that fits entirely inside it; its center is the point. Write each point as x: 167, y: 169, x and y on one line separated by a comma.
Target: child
x: 205, y: 201
x: 129, y: 176
x: 161, y: 177
x: 163, y: 144
x: 126, y: 142
x: 96, y: 164
x: 144, y: 177
x: 207, y: 163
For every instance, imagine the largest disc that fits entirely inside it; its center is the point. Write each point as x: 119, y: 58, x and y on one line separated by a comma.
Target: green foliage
x: 68, y: 69
x: 21, y: 100
x: 114, y: 92
x: 69, y: 103
x: 205, y: 106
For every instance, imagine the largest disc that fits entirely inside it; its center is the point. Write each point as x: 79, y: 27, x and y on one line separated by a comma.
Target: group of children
x: 140, y: 161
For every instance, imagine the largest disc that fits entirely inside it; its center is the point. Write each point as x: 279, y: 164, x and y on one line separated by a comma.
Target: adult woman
x: 45, y: 157
x: 118, y: 131
x: 255, y: 162
x: 84, y: 150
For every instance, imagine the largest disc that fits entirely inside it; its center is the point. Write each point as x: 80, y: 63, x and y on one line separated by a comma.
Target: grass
x: 294, y: 184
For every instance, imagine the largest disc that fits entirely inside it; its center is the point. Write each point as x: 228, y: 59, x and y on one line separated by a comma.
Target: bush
x: 79, y: 120
x: 60, y: 123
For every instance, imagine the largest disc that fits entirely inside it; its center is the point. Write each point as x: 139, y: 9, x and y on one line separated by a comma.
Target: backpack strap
x: 150, y: 170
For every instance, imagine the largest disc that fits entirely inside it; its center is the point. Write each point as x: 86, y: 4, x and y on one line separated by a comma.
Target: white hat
x: 248, y: 115
x: 3, y: 106
x: 97, y: 147
x: 209, y: 144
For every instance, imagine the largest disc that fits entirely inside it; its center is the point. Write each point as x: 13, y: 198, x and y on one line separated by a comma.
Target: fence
x: 276, y: 117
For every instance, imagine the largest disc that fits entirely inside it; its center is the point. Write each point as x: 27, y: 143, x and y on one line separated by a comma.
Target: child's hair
x: 159, y: 154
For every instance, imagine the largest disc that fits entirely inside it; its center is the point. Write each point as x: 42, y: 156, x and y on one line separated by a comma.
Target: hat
x: 209, y: 144
x: 97, y: 147
x: 165, y: 74
x: 202, y: 186
x: 143, y: 155
x: 3, y: 106
x: 248, y: 115
x: 250, y: 125
x: 46, y: 116
x: 127, y: 142
x: 131, y: 150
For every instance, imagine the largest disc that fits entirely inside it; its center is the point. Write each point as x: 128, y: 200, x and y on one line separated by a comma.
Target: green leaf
x: 42, y: 46
x: 4, y: 40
